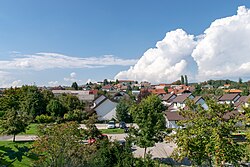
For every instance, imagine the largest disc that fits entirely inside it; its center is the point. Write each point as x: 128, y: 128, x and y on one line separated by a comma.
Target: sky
x: 52, y: 42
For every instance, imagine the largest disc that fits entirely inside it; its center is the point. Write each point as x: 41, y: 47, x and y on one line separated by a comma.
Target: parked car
x: 111, y: 125
x: 122, y: 125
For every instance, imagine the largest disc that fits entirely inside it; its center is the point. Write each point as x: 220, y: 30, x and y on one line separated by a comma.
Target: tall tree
x: 105, y: 82
x: 74, y: 86
x: 14, y: 122
x: 186, y: 80
x: 182, y: 80
x: 122, y: 111
x: 207, y: 137
x: 55, y: 108
x: 148, y: 115
x: 60, y: 145
x: 240, y: 80
x: 32, y: 101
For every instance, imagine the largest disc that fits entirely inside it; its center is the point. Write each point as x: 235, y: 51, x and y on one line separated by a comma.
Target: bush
x: 44, y: 119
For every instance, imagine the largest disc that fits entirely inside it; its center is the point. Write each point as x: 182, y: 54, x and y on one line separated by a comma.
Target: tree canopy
x: 148, y: 115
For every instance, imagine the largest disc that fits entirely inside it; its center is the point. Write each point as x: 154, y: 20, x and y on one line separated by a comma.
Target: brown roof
x: 228, y: 97
x: 240, y: 101
x: 247, y: 99
x: 174, y: 116
x: 181, y: 98
x: 167, y: 97
x: 232, y: 114
x: 196, y: 99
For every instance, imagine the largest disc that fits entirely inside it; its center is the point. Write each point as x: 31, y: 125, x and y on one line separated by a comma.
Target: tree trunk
x: 145, y: 151
x: 14, y: 138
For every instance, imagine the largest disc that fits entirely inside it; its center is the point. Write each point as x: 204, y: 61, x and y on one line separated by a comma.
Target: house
x: 167, y: 99
x: 179, y: 101
x: 199, y: 100
x: 243, y: 101
x: 104, y: 108
x: 107, y: 88
x: 229, y: 98
x: 172, y: 118
x: 119, y: 95
x: 158, y: 92
x: 233, y: 91
x: 83, y: 95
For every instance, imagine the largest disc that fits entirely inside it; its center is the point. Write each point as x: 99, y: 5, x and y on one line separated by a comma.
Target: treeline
x: 41, y: 105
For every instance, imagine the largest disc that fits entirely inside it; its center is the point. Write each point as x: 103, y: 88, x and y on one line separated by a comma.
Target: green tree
x: 70, y: 102
x: 74, y: 86
x: 186, y: 80
x: 60, y: 145
x: 122, y: 111
x: 240, y: 80
x: 182, y: 80
x: 207, y: 137
x: 55, y: 108
x: 105, y: 82
x: 14, y: 122
x: 148, y: 115
x: 32, y: 101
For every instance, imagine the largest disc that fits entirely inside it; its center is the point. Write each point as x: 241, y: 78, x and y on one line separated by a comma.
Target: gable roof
x: 197, y: 98
x: 167, y: 97
x: 181, y: 98
x: 228, y: 97
x: 174, y: 116
x: 240, y: 101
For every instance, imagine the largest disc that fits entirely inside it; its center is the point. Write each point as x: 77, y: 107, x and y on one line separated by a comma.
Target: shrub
x: 44, y: 119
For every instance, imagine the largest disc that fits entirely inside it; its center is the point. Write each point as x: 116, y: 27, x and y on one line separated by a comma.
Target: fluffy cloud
x: 72, y: 78
x: 221, y: 52
x: 7, y: 81
x: 42, y: 61
x: 224, y: 49
x: 53, y: 83
x: 166, y: 62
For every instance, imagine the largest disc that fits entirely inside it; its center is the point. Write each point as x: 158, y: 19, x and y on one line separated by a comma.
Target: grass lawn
x: 112, y: 131
x: 9, y: 145
x: 32, y: 129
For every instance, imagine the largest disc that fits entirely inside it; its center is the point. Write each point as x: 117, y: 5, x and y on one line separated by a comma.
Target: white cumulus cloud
x: 221, y: 52
x: 224, y: 49
x: 166, y: 62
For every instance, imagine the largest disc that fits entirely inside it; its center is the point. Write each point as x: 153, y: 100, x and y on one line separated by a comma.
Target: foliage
x: 148, y: 115
x: 55, y: 108
x: 76, y: 115
x: 122, y: 111
x: 70, y: 102
x: 44, y: 119
x: 186, y: 80
x: 182, y: 80
x: 32, y: 101
x: 207, y: 136
x: 91, y: 130
x: 143, y: 94
x: 14, y: 122
x: 74, y: 86
x: 60, y: 145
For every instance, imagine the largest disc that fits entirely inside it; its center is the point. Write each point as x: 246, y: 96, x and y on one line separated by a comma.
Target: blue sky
x: 92, y: 29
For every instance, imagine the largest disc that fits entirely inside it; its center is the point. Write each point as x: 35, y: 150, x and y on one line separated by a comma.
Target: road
x: 160, y: 150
